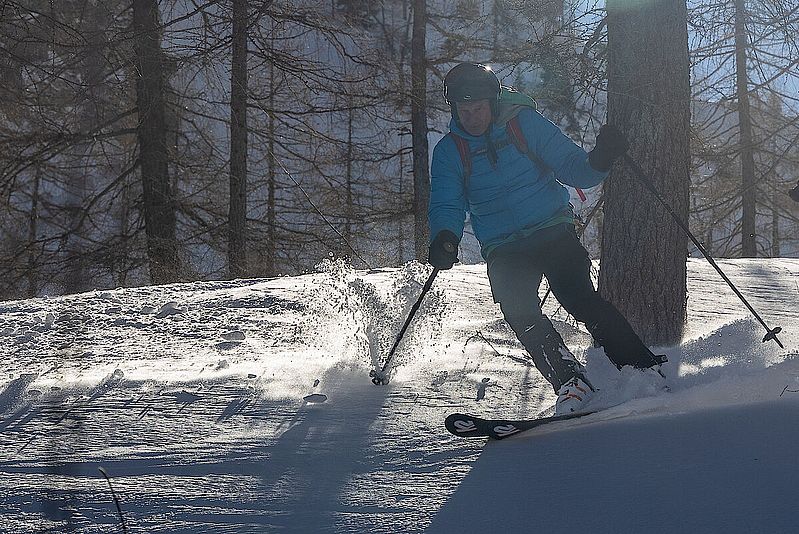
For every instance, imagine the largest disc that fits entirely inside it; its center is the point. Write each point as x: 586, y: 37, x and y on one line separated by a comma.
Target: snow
x: 246, y: 406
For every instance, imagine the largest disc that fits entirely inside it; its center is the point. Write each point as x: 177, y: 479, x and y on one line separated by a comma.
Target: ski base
x: 469, y: 426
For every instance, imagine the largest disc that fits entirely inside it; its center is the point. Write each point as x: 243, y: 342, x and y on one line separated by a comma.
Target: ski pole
x: 379, y: 377
x: 771, y: 333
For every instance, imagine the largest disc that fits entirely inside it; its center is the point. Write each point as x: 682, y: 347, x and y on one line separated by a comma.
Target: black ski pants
x: 515, y: 270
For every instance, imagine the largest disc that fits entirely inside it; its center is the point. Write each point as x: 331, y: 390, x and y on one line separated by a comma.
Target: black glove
x: 443, y: 250
x: 610, y: 144
x: 794, y: 193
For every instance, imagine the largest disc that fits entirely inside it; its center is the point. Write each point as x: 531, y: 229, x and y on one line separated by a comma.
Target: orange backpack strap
x: 517, y: 137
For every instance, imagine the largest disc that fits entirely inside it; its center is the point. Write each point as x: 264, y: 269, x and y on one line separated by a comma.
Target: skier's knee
x: 520, y: 317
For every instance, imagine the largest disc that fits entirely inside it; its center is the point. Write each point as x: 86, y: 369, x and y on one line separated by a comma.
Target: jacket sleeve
x: 447, y: 209
x: 568, y: 161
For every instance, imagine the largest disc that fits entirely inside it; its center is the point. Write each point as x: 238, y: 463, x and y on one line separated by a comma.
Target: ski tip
x: 457, y: 416
x: 464, y: 425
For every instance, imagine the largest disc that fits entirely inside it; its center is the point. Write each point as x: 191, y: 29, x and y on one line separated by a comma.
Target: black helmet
x: 471, y: 81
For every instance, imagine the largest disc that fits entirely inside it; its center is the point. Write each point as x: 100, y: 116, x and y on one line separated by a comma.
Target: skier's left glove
x: 443, y: 253
x: 794, y: 193
x: 610, y: 145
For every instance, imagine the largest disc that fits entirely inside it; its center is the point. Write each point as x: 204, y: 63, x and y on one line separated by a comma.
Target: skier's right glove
x: 443, y: 251
x: 794, y: 193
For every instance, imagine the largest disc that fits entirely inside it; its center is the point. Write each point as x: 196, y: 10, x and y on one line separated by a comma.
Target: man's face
x: 475, y: 116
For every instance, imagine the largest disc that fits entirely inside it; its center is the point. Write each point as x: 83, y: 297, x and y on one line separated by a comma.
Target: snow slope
x: 246, y: 406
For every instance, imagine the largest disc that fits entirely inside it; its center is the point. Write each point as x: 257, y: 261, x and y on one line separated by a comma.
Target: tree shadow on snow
x: 311, y: 462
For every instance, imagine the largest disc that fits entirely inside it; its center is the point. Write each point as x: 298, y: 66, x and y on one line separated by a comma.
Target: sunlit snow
x: 246, y: 406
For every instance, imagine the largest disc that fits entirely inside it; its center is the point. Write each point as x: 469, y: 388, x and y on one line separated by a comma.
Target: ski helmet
x: 467, y: 82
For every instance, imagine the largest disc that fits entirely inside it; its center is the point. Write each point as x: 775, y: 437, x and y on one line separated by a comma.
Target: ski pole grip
x: 450, y: 247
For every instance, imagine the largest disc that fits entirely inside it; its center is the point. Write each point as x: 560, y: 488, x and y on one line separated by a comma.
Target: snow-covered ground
x: 247, y: 407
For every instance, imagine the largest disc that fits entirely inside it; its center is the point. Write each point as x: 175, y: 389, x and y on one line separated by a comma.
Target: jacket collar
x: 505, y: 113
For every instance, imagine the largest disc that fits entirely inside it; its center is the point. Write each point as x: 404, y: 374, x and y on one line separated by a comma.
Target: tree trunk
x: 237, y: 215
x: 775, y: 228
x: 401, y: 215
x: 643, y: 268
x: 159, y: 203
x: 77, y: 272
x: 33, y: 232
x: 271, y: 169
x: 349, y: 208
x: 745, y: 138
x: 421, y: 172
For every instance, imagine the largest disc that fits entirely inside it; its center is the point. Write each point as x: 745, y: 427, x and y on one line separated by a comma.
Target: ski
x: 469, y: 426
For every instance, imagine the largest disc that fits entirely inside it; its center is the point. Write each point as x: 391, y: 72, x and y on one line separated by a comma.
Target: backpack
x: 515, y: 136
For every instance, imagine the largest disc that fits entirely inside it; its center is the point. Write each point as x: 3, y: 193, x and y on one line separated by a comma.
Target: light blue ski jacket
x: 515, y: 197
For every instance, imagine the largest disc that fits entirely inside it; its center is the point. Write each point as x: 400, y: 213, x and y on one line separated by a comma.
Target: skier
x: 522, y: 218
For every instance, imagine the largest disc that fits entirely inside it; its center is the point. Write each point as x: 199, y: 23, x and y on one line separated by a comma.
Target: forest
x: 152, y: 142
